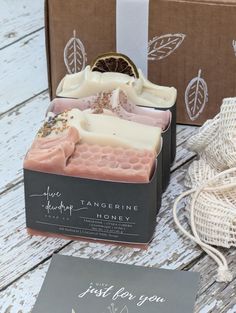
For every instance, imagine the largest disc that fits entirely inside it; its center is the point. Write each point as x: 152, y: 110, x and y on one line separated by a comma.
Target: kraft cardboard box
x: 192, y: 46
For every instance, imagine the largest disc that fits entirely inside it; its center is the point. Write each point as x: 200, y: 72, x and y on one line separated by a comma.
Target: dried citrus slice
x: 114, y: 62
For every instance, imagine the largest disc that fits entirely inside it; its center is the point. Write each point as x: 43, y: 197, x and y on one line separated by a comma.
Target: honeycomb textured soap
x: 111, y: 163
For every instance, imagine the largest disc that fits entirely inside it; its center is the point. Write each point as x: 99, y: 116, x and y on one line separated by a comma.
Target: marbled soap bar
x: 108, y: 130
x: 140, y: 91
x: 114, y: 103
x: 51, y: 153
x: 65, y: 154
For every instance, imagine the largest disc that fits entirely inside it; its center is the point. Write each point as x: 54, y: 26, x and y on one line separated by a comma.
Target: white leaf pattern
x: 73, y: 311
x: 124, y: 310
x: 113, y: 309
x: 234, y: 46
x: 74, y: 55
x: 196, y: 96
x: 162, y: 46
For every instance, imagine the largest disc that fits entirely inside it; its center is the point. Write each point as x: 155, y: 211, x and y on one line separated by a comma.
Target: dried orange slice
x: 114, y: 62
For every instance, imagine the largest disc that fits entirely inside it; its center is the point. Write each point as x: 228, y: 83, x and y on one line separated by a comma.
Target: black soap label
x: 91, y: 208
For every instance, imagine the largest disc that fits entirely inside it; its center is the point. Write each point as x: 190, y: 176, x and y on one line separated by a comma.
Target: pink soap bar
x: 64, y: 154
x: 117, y: 105
x: 111, y: 163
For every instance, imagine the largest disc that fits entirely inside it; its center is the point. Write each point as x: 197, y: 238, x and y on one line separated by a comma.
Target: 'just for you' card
x: 75, y: 285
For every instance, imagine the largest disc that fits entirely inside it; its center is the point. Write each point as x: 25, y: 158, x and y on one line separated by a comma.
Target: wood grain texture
x: 23, y: 71
x: 168, y: 250
x: 19, y: 251
x: 18, y: 129
x: 216, y: 297
x: 18, y: 19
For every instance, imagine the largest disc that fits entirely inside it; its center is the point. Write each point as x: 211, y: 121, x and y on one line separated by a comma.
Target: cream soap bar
x: 140, y: 91
x: 109, y: 130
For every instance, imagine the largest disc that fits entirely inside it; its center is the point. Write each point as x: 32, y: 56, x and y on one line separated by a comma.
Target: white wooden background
x: 24, y: 259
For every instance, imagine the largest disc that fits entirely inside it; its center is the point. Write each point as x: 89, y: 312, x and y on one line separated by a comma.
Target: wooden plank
x: 19, y: 18
x: 168, y: 250
x: 23, y: 71
x: 232, y: 309
x: 19, y: 251
x: 18, y: 129
x: 216, y: 297
x: 28, y: 287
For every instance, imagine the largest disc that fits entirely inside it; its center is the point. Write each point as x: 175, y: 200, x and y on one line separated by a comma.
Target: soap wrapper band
x: 105, y: 210
x: 172, y: 128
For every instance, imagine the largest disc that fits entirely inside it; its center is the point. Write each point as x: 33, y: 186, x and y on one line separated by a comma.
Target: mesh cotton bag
x: 211, y: 198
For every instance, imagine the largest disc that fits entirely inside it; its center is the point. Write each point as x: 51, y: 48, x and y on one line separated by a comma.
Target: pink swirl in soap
x: 115, y: 103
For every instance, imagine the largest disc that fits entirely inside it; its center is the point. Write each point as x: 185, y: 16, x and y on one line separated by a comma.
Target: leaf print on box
x: 234, y: 46
x: 113, y: 309
x: 196, y: 96
x: 162, y: 46
x: 74, y: 55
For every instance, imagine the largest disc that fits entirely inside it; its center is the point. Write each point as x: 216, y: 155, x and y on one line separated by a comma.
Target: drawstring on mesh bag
x: 211, y: 202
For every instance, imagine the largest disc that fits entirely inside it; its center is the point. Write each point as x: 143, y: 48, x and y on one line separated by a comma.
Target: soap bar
x: 140, y: 91
x: 65, y: 154
x: 108, y: 130
x: 114, y: 103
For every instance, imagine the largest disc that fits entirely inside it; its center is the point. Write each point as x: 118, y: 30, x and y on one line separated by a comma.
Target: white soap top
x: 140, y: 91
x: 111, y: 130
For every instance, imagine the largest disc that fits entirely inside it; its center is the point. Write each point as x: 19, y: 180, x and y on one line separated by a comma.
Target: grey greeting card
x: 75, y: 285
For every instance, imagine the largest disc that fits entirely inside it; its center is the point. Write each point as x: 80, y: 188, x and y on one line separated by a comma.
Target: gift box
x: 190, y: 45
